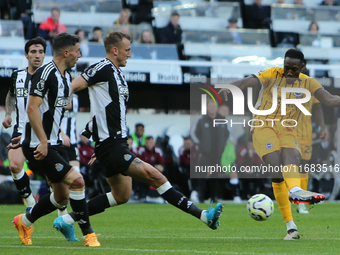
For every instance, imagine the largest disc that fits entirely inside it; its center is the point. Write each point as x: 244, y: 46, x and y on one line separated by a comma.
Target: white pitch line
x: 181, y: 237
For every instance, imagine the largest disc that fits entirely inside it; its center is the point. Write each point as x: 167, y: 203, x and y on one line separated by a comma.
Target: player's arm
x: 318, y: 114
x: 10, y: 106
x: 249, y: 81
x: 327, y: 98
x: 36, y: 123
x: 78, y: 84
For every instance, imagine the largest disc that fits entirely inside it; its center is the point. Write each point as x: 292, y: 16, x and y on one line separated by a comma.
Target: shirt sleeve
x: 315, y: 101
x: 314, y: 86
x: 96, y: 73
x: 13, y: 81
x: 264, y: 75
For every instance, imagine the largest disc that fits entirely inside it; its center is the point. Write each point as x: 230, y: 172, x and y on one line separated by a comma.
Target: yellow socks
x: 304, y: 181
x: 282, y: 199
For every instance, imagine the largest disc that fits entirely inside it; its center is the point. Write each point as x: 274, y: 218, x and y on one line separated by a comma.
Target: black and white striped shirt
x: 19, y: 87
x: 68, y: 124
x: 49, y: 84
x: 109, y: 94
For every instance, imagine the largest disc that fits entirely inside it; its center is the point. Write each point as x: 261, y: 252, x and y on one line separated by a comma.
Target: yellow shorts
x: 306, y: 149
x: 270, y: 139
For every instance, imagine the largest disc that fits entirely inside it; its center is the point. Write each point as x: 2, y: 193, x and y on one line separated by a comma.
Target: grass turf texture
x: 163, y: 229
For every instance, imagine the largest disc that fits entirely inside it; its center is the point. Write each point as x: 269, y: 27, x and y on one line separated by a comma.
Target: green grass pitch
x: 163, y: 229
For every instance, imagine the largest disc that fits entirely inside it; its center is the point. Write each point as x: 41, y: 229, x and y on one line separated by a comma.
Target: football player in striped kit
x: 16, y: 99
x: 42, y: 144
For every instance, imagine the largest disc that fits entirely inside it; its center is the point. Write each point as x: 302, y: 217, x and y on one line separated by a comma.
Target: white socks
x: 30, y: 201
x: 204, y: 216
x: 290, y: 225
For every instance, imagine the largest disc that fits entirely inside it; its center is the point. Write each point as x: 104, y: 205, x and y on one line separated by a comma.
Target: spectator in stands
x: 232, y: 23
x: 184, y: 167
x: 153, y: 155
x: 247, y: 157
x: 232, y: 26
x: 314, y: 28
x: 224, y: 110
x: 139, y: 137
x: 172, y: 33
x: 211, y: 141
x: 124, y: 17
x: 229, y: 157
x: 23, y: 11
x: 298, y: 2
x: 130, y: 145
x: 124, y: 29
x: 259, y: 15
x: 84, y: 48
x: 146, y: 37
x: 86, y: 150
x: 97, y: 35
x: 329, y: 3
x: 280, y: 1
x: 51, y: 26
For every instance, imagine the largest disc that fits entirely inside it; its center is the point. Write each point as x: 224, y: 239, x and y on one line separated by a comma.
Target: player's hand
x: 224, y: 93
x: 41, y: 151
x: 93, y: 159
x: 16, y: 145
x: 66, y: 139
x: 7, y: 121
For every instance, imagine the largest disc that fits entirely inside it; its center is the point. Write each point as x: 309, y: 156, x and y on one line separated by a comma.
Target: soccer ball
x: 260, y: 207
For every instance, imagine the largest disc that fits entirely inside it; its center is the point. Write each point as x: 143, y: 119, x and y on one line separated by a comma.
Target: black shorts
x: 55, y: 165
x: 72, y: 152
x: 114, y: 155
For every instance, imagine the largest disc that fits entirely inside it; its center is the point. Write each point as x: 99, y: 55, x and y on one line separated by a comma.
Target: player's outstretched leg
x: 150, y: 175
x: 25, y: 232
x: 66, y: 229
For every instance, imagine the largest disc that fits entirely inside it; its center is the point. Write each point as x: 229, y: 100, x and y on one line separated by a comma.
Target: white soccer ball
x: 260, y: 207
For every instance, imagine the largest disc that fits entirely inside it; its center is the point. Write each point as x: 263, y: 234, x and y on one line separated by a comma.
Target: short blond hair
x: 114, y: 39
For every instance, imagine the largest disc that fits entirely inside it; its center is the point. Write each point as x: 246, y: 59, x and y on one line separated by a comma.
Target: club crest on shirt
x: 269, y: 146
x: 41, y: 85
x: 297, y: 94
x: 91, y: 72
x: 127, y: 157
x: 58, y: 167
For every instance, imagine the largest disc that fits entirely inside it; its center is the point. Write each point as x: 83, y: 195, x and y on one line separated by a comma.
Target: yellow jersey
x: 274, y: 77
x: 304, y: 128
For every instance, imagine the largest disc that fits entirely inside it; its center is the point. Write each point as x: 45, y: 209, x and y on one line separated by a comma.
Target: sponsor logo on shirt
x: 22, y: 92
x: 61, y: 102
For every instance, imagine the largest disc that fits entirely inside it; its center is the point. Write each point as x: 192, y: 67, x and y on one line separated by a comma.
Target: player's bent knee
x: 78, y: 183
x: 15, y: 168
x: 63, y: 202
x: 123, y: 199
